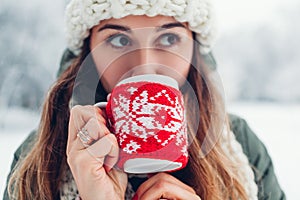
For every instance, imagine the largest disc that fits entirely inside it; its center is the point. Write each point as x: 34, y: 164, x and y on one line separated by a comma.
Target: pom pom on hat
x: 82, y: 15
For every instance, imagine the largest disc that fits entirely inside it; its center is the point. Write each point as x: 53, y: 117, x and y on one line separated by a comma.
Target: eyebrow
x: 170, y: 25
x: 127, y: 29
x: 116, y: 27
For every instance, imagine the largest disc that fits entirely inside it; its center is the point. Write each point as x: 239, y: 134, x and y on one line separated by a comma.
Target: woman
x: 113, y: 40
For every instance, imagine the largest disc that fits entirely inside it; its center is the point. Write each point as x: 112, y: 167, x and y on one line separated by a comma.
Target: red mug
x: 146, y: 113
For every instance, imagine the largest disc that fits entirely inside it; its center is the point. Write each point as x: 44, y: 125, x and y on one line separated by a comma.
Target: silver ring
x: 84, y: 137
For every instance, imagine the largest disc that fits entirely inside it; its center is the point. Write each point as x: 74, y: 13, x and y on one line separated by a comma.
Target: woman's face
x: 136, y: 45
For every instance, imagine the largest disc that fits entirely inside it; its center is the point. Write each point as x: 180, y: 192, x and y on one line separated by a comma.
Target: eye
x: 168, y: 39
x: 119, y: 40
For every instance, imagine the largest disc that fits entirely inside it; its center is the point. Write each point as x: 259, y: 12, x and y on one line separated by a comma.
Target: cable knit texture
x: 230, y: 145
x: 82, y: 15
x: 234, y: 151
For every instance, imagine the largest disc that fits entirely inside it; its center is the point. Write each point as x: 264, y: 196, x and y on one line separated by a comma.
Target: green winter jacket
x: 254, y: 149
x: 268, y: 186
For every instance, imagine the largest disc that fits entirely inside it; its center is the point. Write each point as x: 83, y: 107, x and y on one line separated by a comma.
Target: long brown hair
x: 37, y: 175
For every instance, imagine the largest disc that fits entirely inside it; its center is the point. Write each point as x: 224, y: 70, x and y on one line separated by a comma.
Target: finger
x: 101, y: 109
x: 106, y: 147
x: 79, y: 115
x: 166, y: 190
x: 84, y: 165
x: 164, y: 177
x: 96, y: 129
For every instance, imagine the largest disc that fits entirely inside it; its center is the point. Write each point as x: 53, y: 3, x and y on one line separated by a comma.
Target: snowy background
x: 257, y: 54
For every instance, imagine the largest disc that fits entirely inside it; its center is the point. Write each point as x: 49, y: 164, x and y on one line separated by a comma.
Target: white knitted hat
x: 82, y: 15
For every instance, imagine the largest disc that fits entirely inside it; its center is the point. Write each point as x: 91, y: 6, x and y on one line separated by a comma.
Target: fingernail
x: 107, y: 168
x: 135, y: 197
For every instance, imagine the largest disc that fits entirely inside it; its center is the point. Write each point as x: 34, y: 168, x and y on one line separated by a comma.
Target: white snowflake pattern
x: 181, y: 136
x: 184, y: 151
x: 131, y: 147
x: 132, y: 90
x: 147, y: 114
x: 167, y: 140
x: 122, y: 108
x: 122, y: 138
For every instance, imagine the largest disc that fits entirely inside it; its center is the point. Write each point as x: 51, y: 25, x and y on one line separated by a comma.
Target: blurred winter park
x: 257, y: 54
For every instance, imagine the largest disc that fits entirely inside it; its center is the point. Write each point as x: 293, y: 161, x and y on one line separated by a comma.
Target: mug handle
x: 101, y: 104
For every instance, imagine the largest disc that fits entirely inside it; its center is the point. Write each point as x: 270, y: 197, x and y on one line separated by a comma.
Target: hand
x: 165, y: 186
x: 91, y: 165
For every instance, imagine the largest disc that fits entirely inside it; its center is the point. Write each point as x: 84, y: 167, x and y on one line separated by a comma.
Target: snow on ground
x: 278, y: 126
x: 15, y: 125
x: 275, y: 124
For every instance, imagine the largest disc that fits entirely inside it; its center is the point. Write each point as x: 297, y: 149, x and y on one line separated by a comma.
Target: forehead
x: 140, y: 21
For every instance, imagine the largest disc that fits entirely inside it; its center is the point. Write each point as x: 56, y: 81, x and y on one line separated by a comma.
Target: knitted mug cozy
x: 146, y: 114
x: 233, y: 150
x: 82, y: 15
